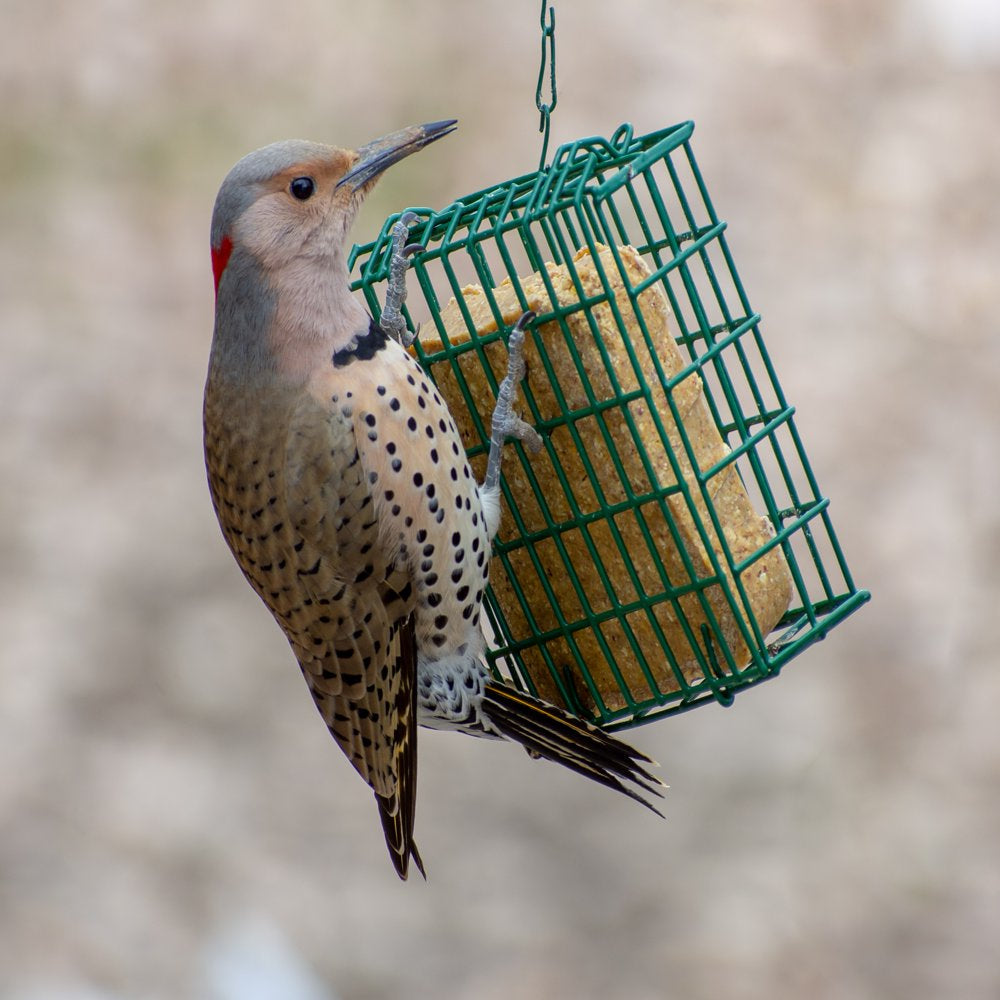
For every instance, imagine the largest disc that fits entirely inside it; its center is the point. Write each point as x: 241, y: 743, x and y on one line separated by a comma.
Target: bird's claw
x: 522, y: 431
x: 505, y: 423
x: 409, y: 337
x: 392, y: 320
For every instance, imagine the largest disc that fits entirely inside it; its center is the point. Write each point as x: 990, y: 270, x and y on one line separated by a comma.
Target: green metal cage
x: 606, y: 641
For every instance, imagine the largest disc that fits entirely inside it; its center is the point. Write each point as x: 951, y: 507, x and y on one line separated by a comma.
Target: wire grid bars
x: 672, y: 523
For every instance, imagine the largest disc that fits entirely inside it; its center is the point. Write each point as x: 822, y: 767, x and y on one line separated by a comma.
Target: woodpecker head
x: 294, y: 202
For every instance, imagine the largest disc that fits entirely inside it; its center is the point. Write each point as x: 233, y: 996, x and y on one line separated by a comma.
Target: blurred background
x: 174, y: 819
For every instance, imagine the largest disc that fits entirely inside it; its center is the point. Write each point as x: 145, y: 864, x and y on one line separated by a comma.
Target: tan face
x: 299, y: 213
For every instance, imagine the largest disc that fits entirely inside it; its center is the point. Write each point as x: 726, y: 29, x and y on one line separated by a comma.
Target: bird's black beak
x: 379, y: 154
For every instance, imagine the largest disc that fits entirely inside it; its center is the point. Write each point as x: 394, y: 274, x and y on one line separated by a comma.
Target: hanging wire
x: 545, y: 108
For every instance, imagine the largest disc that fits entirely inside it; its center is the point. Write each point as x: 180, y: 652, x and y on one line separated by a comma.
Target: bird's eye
x: 302, y: 188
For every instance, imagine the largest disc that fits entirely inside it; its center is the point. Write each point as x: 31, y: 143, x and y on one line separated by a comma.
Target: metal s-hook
x: 545, y: 108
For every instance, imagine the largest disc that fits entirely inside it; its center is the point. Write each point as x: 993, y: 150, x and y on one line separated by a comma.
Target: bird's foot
x: 505, y: 423
x: 392, y: 320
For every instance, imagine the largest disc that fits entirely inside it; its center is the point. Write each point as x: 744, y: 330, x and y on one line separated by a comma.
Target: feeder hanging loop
x: 545, y: 109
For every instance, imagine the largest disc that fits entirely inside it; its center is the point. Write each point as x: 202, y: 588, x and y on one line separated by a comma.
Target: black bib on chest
x: 363, y: 348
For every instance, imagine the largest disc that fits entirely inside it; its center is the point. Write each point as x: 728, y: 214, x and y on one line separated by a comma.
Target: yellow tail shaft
x: 547, y: 731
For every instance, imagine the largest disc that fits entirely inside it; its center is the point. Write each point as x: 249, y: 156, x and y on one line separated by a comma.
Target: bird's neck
x: 316, y: 315
x: 282, y: 326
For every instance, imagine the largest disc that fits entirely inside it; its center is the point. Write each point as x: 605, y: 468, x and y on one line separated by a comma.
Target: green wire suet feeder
x: 670, y: 545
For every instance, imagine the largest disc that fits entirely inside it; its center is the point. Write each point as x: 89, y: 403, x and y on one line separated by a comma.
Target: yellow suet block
x: 644, y: 559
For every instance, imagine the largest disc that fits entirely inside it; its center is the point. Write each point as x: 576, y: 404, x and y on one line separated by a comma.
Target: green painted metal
x: 647, y: 192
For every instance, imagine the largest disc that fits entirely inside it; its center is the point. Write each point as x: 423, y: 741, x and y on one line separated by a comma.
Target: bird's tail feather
x: 398, y: 809
x: 398, y: 836
x: 547, y: 731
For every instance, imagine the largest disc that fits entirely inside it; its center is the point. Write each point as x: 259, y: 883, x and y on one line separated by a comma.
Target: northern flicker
x: 343, y: 491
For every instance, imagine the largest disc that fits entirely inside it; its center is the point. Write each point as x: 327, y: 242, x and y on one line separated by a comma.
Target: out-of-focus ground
x: 175, y: 821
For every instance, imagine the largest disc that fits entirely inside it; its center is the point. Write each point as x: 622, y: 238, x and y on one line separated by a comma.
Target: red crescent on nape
x: 220, y: 258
